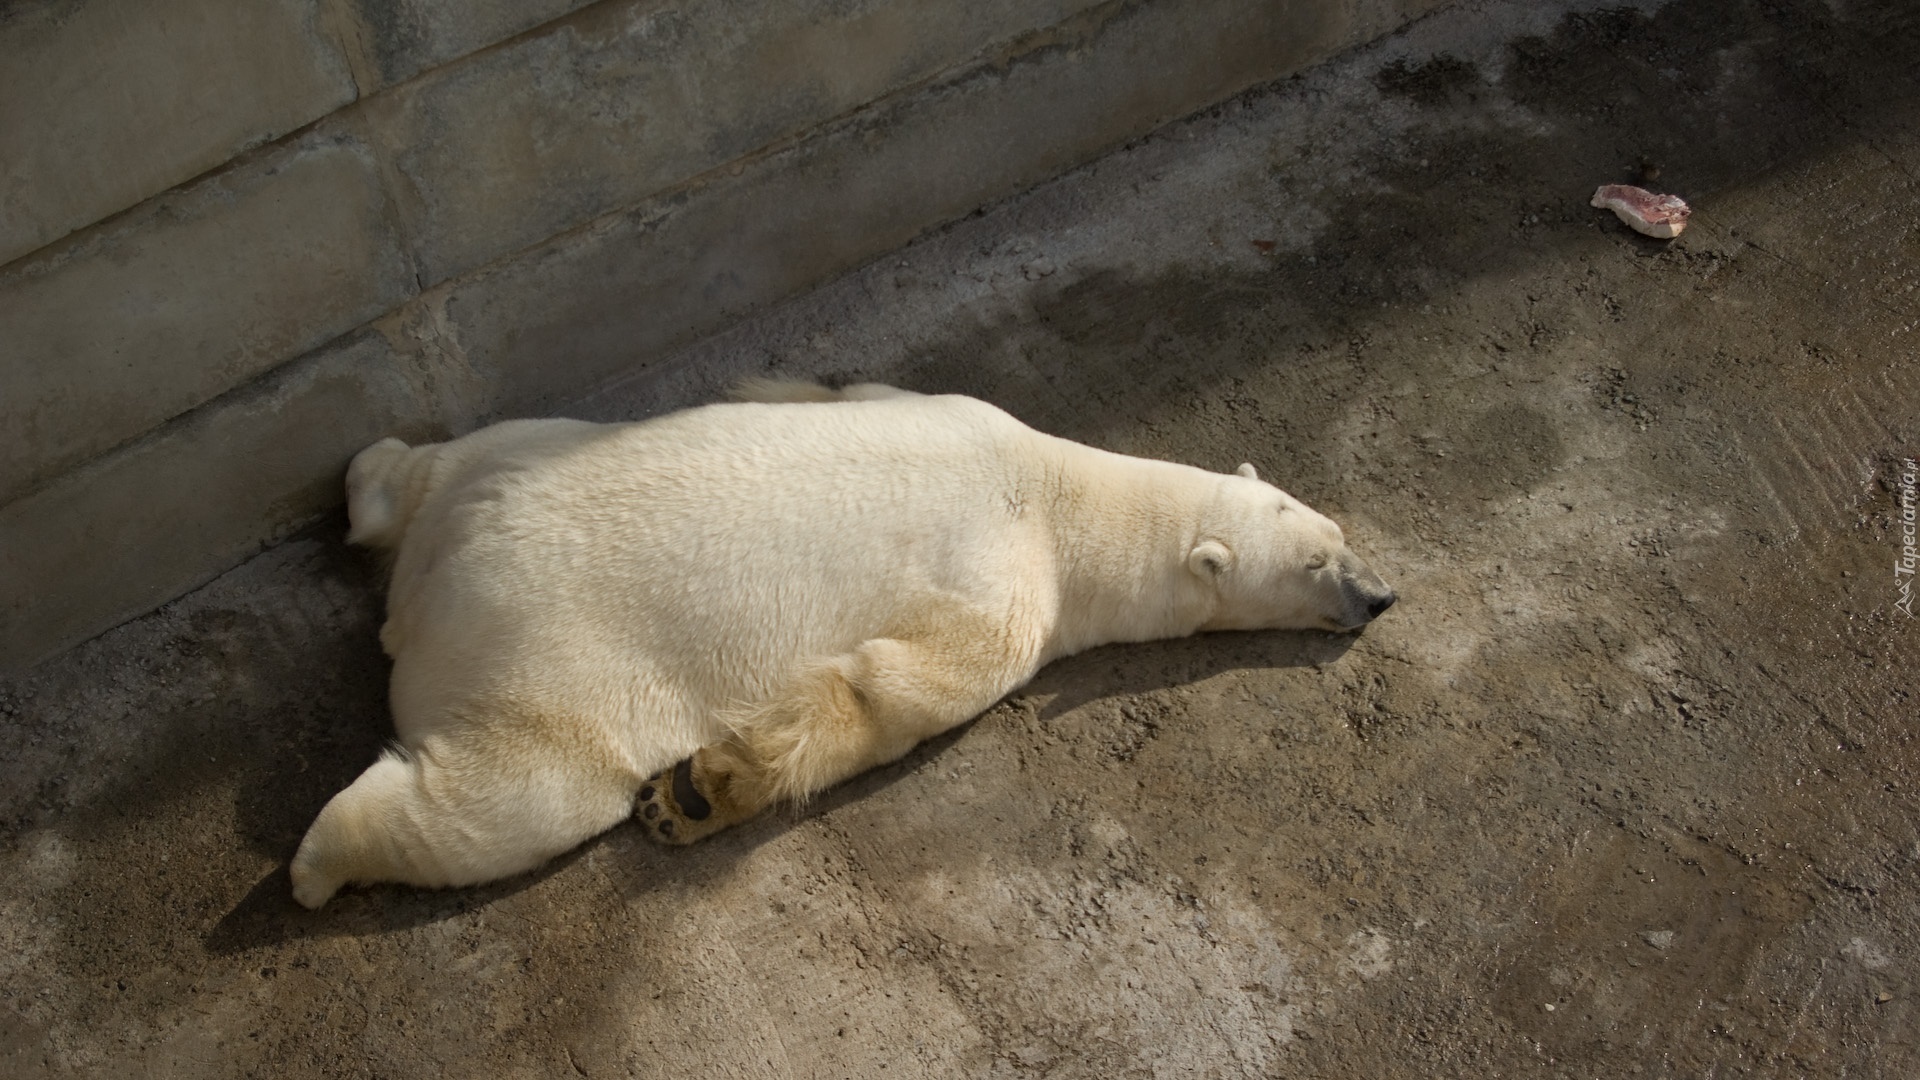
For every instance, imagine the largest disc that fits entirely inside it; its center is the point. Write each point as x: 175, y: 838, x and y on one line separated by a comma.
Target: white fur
x: 575, y: 607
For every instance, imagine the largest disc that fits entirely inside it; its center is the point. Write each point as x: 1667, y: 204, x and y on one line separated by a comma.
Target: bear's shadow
x: 1117, y: 670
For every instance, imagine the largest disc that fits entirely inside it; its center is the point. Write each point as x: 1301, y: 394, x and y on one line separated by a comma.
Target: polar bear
x: 691, y: 618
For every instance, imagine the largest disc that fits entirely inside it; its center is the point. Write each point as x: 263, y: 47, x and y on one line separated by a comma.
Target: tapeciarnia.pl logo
x: 1903, y: 567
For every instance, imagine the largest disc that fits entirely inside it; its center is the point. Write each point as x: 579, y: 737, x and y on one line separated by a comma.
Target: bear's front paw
x: 689, y: 802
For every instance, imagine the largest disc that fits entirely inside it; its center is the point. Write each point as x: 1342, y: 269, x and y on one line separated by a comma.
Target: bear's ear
x: 1246, y: 470
x: 1209, y: 558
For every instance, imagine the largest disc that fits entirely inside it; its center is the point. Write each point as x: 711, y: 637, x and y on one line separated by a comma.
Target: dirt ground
x: 1625, y: 785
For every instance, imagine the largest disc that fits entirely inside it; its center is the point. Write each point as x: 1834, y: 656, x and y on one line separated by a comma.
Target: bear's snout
x: 1366, y: 597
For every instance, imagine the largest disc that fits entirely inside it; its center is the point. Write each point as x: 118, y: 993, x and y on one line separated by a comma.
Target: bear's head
x: 1275, y: 564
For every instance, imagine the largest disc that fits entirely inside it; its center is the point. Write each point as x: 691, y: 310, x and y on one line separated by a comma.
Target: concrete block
x: 105, y: 104
x: 610, y: 300
x: 394, y: 40
x: 157, y: 518
x: 125, y: 326
x: 627, y: 98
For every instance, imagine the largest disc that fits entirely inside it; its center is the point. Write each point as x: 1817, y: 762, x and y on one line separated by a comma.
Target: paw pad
x: 692, y: 803
x: 672, y: 809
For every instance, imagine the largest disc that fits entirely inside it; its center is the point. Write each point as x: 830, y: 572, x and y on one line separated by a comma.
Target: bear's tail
x: 793, y: 391
x: 377, y: 506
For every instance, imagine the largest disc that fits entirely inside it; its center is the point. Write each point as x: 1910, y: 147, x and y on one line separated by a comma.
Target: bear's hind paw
x: 673, y: 809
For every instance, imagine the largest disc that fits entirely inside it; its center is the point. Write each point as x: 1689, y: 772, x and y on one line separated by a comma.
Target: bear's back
x: 707, y: 550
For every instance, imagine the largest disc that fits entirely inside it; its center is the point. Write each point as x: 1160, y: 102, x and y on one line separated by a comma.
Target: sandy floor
x: 1625, y: 785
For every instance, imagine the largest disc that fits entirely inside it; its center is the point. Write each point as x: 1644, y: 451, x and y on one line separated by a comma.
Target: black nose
x: 1374, y: 609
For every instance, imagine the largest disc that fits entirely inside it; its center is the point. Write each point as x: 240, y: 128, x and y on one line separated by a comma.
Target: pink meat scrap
x: 1643, y: 211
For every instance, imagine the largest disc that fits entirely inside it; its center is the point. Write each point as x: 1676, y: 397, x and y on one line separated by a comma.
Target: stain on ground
x: 1624, y: 785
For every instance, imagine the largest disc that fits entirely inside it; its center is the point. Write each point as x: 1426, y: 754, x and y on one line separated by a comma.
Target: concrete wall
x: 239, y: 239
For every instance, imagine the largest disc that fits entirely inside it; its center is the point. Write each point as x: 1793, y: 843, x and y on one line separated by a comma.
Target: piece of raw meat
x: 1643, y: 211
